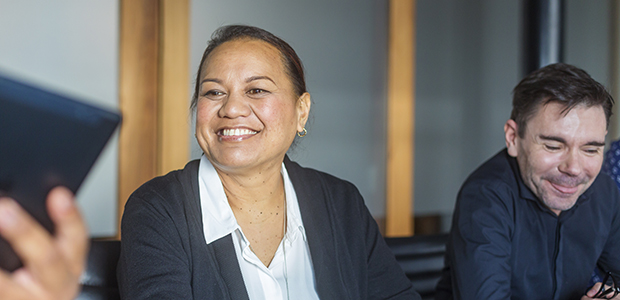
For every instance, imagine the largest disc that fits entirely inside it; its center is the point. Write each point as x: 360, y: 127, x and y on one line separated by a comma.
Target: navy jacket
x: 504, y: 244
x: 164, y: 254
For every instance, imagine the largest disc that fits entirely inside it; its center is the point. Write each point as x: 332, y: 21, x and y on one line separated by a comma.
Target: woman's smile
x: 235, y: 134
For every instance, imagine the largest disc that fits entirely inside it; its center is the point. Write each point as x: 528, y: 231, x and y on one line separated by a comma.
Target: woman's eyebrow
x: 211, y: 80
x: 254, y: 78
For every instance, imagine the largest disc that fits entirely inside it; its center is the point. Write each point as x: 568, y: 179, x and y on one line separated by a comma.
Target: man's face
x: 560, y: 154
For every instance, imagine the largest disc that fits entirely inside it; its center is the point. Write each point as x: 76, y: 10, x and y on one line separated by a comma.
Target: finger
x: 594, y: 289
x: 71, y: 231
x: 27, y: 237
x: 32, y: 243
x: 609, y: 292
x: 24, y: 279
x: 9, y: 289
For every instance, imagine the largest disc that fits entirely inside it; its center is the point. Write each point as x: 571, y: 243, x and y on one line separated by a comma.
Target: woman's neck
x: 260, y: 189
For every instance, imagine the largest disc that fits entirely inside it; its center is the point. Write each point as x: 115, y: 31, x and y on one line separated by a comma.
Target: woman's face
x: 247, y: 113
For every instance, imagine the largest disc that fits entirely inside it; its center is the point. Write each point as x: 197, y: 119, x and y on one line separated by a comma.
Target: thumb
x: 594, y: 290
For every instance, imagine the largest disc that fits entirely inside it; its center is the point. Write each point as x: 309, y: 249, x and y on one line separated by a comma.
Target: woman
x: 245, y: 222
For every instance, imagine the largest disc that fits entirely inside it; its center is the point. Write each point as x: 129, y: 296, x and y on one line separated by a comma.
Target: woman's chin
x: 234, y: 162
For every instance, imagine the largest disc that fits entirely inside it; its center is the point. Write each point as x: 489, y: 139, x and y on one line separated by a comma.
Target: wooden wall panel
x: 173, y: 144
x: 400, y: 127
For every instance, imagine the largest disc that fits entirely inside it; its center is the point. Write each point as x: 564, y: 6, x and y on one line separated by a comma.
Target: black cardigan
x: 164, y: 254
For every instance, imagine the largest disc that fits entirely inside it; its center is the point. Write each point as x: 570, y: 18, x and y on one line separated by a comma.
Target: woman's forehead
x: 245, y: 50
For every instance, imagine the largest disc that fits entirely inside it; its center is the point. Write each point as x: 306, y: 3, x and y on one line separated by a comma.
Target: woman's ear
x: 303, y: 110
x: 511, y: 133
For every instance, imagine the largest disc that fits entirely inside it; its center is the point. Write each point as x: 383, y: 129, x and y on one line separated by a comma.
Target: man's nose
x: 571, y: 165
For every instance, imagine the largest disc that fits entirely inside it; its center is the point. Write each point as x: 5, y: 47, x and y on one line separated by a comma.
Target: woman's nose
x: 235, y: 105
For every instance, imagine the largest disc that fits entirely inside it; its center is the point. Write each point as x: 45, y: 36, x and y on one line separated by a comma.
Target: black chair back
x: 99, y: 279
x: 422, y: 259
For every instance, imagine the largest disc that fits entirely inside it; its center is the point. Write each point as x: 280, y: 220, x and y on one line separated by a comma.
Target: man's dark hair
x: 561, y: 83
x: 291, y: 61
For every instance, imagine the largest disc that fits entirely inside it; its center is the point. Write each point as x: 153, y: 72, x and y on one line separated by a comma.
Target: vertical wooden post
x: 139, y: 49
x: 400, y: 109
x: 154, y: 88
x: 173, y: 144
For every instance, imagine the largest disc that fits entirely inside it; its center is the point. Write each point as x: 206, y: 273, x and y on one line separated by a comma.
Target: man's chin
x: 560, y: 204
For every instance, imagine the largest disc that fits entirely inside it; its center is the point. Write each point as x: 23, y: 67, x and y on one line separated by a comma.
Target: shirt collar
x: 217, y: 217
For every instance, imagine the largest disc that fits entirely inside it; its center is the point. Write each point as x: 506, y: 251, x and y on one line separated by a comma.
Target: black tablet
x: 46, y: 140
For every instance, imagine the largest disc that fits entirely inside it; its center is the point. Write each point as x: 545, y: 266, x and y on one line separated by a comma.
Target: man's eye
x: 552, y: 147
x: 592, y: 150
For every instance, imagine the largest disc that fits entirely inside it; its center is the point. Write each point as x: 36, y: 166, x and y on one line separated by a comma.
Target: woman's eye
x: 256, y: 91
x: 213, y: 93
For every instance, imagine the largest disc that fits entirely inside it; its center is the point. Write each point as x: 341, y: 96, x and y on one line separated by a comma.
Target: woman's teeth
x: 237, y: 131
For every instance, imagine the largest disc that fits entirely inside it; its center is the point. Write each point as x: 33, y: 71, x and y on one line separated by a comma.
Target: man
x: 52, y: 264
x: 534, y: 221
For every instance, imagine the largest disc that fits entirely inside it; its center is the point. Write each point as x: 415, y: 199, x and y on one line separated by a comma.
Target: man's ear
x: 512, y: 137
x: 303, y: 110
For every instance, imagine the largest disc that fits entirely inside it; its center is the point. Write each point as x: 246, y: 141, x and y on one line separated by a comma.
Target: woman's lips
x: 235, y: 134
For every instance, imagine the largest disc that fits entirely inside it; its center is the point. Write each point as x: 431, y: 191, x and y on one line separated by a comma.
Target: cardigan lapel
x: 223, y: 253
x: 317, y: 219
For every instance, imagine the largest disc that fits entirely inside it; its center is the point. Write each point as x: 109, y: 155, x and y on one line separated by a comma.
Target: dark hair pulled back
x: 293, y: 66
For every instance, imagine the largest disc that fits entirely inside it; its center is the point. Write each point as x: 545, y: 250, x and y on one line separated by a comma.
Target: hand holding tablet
x: 52, y: 264
x: 46, y: 140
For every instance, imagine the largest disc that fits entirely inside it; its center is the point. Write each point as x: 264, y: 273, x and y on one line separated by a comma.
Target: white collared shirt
x: 261, y: 282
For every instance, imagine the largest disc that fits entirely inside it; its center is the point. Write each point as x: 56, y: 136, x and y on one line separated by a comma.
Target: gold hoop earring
x: 303, y: 133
